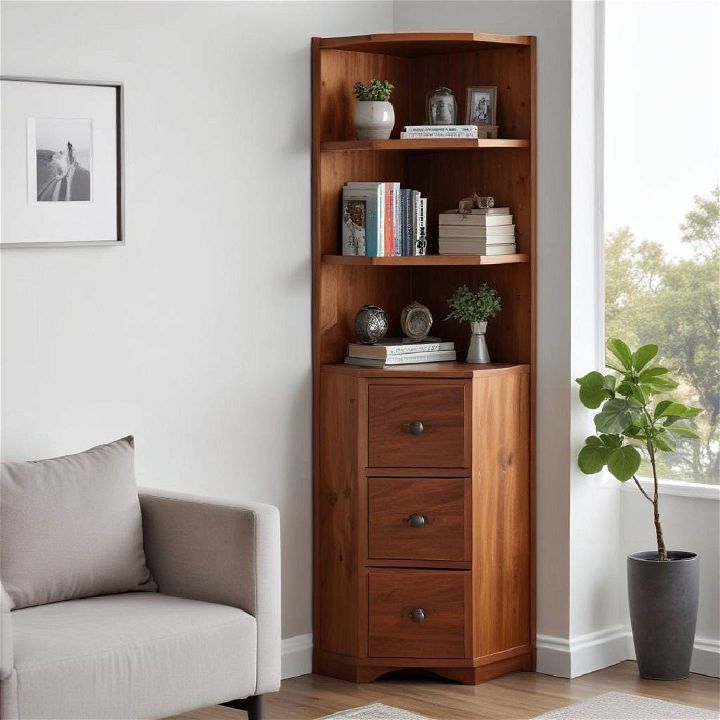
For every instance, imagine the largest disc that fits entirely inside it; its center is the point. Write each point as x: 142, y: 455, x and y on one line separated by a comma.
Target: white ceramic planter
x: 374, y: 119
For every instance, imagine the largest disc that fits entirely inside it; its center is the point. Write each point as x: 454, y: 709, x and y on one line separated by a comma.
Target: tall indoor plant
x: 632, y: 423
x: 374, y: 114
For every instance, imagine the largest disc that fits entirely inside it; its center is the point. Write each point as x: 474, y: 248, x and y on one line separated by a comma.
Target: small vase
x: 374, y: 119
x: 478, y: 350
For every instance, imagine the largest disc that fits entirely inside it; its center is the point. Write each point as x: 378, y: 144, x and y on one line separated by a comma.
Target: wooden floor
x: 517, y: 696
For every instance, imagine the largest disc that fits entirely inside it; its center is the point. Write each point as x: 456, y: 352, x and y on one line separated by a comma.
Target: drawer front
x: 417, y: 614
x: 417, y: 425
x: 418, y: 518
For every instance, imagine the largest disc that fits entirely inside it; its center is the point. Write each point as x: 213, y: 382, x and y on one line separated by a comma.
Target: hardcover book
x: 409, y: 359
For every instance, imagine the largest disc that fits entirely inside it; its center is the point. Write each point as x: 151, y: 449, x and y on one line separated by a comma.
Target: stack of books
x: 381, y: 219
x: 482, y: 231
x: 400, y: 351
x: 417, y: 132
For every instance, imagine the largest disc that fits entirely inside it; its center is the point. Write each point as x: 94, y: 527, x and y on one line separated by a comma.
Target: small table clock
x: 416, y: 321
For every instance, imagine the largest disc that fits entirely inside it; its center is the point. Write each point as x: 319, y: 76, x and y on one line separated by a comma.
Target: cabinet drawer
x: 414, y: 613
x: 417, y: 425
x: 418, y: 518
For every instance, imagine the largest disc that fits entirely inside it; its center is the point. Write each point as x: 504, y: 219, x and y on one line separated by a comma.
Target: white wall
x: 550, y: 22
x: 195, y: 336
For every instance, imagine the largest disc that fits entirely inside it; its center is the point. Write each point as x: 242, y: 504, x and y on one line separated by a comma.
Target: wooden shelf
x: 419, y: 44
x: 422, y: 144
x: 454, y: 369
x: 426, y: 260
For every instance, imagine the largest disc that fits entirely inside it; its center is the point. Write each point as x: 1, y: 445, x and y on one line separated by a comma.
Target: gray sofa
x: 209, y: 635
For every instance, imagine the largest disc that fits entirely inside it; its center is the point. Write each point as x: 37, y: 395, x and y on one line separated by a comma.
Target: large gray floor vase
x: 663, y: 611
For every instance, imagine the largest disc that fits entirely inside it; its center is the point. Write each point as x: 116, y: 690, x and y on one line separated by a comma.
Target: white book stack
x: 400, y: 351
x: 482, y: 231
x: 417, y: 132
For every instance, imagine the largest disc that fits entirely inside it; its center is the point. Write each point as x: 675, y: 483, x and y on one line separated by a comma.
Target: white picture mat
x: 61, y: 222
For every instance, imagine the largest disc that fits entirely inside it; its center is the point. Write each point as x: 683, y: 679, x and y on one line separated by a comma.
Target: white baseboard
x: 577, y: 656
x: 297, y: 656
x: 571, y: 658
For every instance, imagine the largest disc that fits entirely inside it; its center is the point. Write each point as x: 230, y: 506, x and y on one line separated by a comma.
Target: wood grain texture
x: 443, y: 503
x: 501, y: 514
x: 516, y: 696
x: 393, y: 595
x: 337, y: 518
x: 415, y: 144
x: 441, y: 410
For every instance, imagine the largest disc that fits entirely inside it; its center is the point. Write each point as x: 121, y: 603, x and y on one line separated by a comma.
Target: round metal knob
x: 416, y: 427
x: 417, y: 615
x: 416, y: 520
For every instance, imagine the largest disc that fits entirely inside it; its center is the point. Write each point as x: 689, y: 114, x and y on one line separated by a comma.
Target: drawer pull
x: 416, y: 520
x: 415, y: 427
x: 417, y: 615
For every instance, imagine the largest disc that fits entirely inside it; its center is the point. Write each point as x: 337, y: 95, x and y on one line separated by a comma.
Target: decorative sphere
x: 370, y: 324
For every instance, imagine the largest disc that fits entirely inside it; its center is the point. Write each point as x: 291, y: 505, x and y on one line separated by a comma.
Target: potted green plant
x: 632, y: 424
x: 475, y: 307
x: 374, y: 114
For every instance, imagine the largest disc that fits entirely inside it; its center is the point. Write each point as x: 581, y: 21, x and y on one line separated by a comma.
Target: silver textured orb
x: 370, y: 324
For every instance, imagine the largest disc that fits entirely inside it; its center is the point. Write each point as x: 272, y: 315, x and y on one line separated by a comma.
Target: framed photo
x: 62, y: 163
x: 480, y: 106
x: 441, y: 107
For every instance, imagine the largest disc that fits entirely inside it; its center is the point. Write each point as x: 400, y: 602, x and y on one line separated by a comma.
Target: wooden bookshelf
x: 356, y: 630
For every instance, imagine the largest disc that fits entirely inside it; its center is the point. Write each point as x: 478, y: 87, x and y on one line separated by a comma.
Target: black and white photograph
x: 441, y: 107
x: 481, y: 102
x: 63, y: 158
x: 64, y: 141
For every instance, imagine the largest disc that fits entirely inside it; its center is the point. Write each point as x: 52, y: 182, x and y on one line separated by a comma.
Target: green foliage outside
x: 651, y: 298
x: 376, y: 90
x: 474, y: 305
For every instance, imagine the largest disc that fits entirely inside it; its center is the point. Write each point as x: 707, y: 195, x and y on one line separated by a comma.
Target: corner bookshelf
x: 444, y: 170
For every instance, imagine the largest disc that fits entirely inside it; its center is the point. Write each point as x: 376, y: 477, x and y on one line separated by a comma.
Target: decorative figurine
x: 416, y: 321
x: 370, y: 324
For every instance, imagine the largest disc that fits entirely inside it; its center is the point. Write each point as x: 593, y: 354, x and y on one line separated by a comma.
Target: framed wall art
x: 62, y: 163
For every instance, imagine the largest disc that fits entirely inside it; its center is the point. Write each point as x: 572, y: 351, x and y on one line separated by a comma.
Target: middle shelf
x: 425, y: 260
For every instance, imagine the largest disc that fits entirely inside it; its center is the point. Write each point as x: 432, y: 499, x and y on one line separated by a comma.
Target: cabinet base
x: 366, y: 671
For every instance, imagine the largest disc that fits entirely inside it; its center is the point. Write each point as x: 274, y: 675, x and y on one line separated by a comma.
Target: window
x: 662, y: 204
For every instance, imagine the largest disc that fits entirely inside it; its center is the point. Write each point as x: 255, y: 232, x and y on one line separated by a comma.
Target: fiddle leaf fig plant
x: 632, y: 422
x: 375, y: 90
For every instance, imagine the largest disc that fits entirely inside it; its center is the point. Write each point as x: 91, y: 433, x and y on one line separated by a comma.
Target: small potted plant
x: 631, y: 424
x: 476, y: 307
x: 374, y: 114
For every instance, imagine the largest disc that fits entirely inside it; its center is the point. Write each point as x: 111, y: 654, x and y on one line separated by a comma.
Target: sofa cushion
x: 135, y: 655
x: 70, y: 527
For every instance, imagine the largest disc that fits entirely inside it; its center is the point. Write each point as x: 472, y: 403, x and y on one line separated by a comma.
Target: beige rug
x: 376, y: 711
x: 621, y: 706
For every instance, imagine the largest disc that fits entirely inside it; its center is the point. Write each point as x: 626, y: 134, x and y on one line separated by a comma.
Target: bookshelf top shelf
x: 422, y: 144
x: 417, y: 44
x: 426, y: 260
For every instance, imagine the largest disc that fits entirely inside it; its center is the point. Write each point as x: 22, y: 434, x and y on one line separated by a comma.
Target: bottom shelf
x: 441, y: 369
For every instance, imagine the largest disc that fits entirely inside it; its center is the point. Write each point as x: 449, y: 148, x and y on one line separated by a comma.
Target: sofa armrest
x: 6, y: 635
x: 220, y: 552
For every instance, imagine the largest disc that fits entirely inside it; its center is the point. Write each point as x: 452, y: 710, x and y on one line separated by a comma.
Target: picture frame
x: 441, y: 107
x: 62, y: 162
x: 481, y: 106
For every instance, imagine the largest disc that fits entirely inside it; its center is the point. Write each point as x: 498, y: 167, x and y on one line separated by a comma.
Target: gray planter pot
x: 663, y: 610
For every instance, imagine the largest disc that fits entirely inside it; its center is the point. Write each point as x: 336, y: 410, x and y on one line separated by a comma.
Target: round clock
x: 416, y: 321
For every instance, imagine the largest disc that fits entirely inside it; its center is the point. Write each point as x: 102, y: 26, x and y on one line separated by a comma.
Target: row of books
x: 400, y: 351
x: 482, y: 231
x: 410, y: 132
x: 381, y: 219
